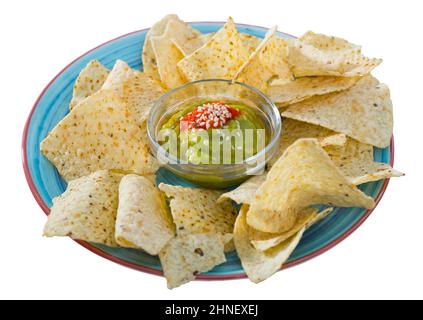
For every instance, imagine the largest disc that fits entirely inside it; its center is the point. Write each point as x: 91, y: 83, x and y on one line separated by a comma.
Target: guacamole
x: 214, y: 132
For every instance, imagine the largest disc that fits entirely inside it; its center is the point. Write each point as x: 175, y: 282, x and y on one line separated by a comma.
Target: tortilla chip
x: 355, y: 160
x: 293, y: 130
x: 264, y: 241
x: 148, y: 57
x: 220, y: 58
x: 186, y: 256
x: 140, y: 92
x: 197, y: 211
x: 244, y: 193
x: 250, y: 42
x: 119, y: 74
x: 260, y: 265
x: 303, y: 176
x: 266, y: 62
x: 363, y: 112
x: 303, y: 88
x: 184, y: 37
x: 320, y: 55
x: 87, y: 209
x: 100, y: 133
x: 89, y: 81
x: 167, y: 56
x: 142, y: 219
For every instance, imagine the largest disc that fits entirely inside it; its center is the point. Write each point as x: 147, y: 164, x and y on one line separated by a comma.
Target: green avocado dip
x: 213, y: 132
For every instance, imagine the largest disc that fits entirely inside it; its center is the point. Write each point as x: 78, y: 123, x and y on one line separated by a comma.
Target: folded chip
x: 197, y: 211
x: 268, y: 61
x: 286, y: 93
x: 87, y: 209
x: 260, y: 265
x: 168, y: 55
x: 220, y: 58
x: 363, y: 112
x: 303, y: 176
x: 264, y: 241
x: 148, y: 57
x: 264, y: 254
x: 142, y: 221
x: 320, y: 55
x: 244, y: 193
x: 89, y: 81
x: 100, y: 133
x: 184, y: 257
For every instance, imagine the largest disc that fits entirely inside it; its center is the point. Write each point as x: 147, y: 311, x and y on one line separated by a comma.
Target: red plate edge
x: 105, y: 255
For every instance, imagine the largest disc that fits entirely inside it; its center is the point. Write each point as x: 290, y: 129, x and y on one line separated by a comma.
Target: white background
x: 382, y: 259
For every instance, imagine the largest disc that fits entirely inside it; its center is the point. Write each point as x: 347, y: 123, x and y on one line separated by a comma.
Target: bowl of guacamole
x: 214, y: 133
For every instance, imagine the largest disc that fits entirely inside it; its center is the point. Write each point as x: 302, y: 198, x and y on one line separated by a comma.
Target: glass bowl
x: 216, y: 176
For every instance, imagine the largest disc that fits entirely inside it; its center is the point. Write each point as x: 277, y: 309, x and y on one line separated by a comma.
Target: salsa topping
x: 210, y: 115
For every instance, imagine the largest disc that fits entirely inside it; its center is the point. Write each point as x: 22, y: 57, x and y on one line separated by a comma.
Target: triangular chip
x: 268, y: 61
x: 264, y: 241
x: 220, y: 58
x: 140, y: 92
x: 148, y: 57
x: 89, y: 81
x: 355, y: 160
x: 303, y: 176
x: 363, y: 112
x: 319, y: 55
x: 100, y: 133
x: 87, y: 209
x: 167, y: 56
x: 185, y: 257
x: 244, y: 193
x: 185, y: 38
x: 250, y: 42
x: 260, y: 265
x: 303, y: 88
x: 197, y: 210
x: 119, y: 74
x: 142, y: 221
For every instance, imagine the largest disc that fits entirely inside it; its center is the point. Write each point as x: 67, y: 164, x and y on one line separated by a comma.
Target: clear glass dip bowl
x: 216, y: 176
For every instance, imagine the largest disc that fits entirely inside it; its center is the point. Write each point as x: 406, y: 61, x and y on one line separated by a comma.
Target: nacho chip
x: 266, y: 62
x: 197, y: 211
x: 167, y: 56
x: 303, y: 88
x: 320, y: 55
x: 363, y: 112
x: 250, y: 42
x: 303, y: 176
x: 185, y: 257
x: 148, y: 57
x: 119, y: 74
x: 264, y: 241
x: 100, y: 133
x: 87, y: 209
x: 293, y: 130
x: 184, y: 37
x: 244, y: 193
x: 139, y: 93
x: 89, y: 81
x: 142, y: 219
x: 260, y: 265
x: 221, y: 57
x: 355, y: 160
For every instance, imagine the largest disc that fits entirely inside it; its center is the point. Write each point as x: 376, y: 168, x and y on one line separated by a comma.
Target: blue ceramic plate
x: 45, y: 182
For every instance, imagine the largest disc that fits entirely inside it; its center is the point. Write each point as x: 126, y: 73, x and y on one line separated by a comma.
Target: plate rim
x: 153, y: 271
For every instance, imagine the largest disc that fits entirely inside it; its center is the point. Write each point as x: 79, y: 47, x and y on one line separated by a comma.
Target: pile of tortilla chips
x: 334, y: 112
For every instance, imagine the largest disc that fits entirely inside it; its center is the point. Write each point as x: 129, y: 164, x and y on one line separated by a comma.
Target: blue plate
x: 45, y: 182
